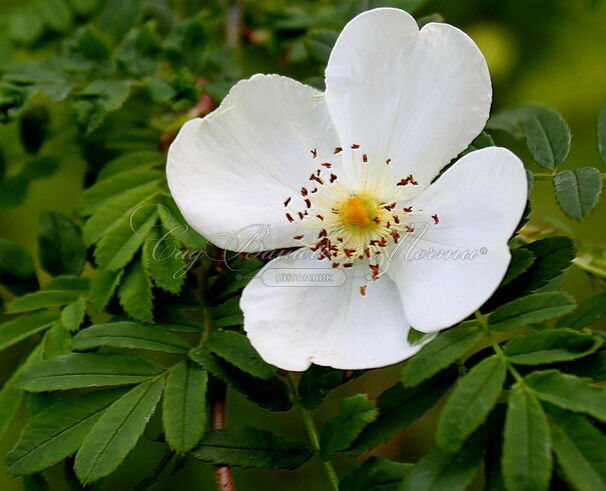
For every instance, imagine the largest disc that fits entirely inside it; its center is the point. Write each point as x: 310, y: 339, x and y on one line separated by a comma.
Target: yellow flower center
x: 360, y: 211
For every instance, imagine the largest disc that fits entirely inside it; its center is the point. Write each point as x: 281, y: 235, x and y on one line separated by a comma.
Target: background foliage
x: 114, y: 369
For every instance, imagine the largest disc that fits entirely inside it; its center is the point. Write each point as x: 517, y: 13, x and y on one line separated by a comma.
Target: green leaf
x: 83, y: 7
x: 80, y: 370
x: 568, y: 392
x: 512, y: 120
x: 251, y: 448
x: 160, y: 259
x: 135, y: 293
x: 92, y: 104
x: 131, y: 161
x: 69, y: 283
x: 602, y: 133
x: 21, y: 327
x: 57, y: 432
x: 550, y: 346
x: 185, y: 44
x: 33, y: 127
x: 592, y: 366
x: 521, y: 260
x: 88, y: 52
x: 552, y: 256
x: 578, y: 191
x: 590, y: 310
x: 319, y: 43
x: 40, y: 300
x: 55, y: 14
x: 184, y: 406
x: 117, y: 431
x: 472, y: 399
x: 579, y: 447
x: 268, y: 393
x: 17, y: 272
x: 10, y: 397
x: 25, y: 25
x: 60, y: 245
x: 139, y: 51
x: 439, y: 353
x: 338, y: 433
x: 119, y: 210
x: 547, y: 137
x: 236, y: 278
x: 57, y: 341
x: 399, y: 407
x: 526, y: 449
x: 72, y: 316
x: 534, y: 308
x: 228, y: 314
x: 376, y: 474
x: 107, y: 190
x: 122, y: 241
x: 414, y: 336
x: 130, y: 335
x: 441, y: 471
x: 103, y: 286
x: 317, y: 381
x: 236, y: 349
x: 46, y: 77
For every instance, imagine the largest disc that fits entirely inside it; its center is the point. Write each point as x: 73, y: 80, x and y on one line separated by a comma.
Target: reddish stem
x: 224, y: 479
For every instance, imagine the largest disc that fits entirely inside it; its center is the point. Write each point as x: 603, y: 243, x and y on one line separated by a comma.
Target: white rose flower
x: 347, y: 176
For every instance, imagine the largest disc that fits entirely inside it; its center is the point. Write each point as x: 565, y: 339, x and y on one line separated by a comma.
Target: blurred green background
x: 539, y: 51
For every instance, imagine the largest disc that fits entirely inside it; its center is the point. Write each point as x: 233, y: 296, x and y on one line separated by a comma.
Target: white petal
x: 478, y: 202
x: 234, y: 169
x: 293, y: 326
x: 418, y: 98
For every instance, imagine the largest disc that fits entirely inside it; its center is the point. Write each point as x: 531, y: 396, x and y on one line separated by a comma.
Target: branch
x: 224, y: 480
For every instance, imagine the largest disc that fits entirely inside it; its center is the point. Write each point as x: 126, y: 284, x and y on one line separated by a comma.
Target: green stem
x: 542, y: 176
x: 312, y: 433
x: 497, y: 348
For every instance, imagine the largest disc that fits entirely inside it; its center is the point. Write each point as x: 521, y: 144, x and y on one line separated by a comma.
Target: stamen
x: 355, y: 146
x: 287, y: 201
x: 363, y: 290
x: 290, y: 218
x: 328, y: 165
x: 337, y: 150
x: 314, y: 153
x: 436, y: 220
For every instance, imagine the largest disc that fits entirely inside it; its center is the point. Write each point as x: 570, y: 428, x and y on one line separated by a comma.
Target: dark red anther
x: 286, y: 202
